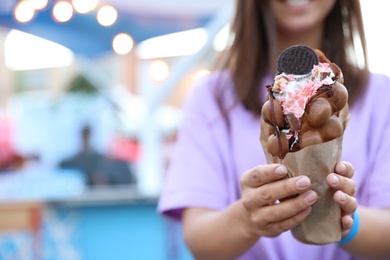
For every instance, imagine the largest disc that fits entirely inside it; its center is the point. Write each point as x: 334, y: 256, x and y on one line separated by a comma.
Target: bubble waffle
x: 304, y: 101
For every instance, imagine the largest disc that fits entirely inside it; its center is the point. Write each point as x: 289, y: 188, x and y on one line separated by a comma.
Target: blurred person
x: 219, y: 184
x: 87, y: 159
x: 117, y: 167
x: 114, y: 171
x: 99, y: 169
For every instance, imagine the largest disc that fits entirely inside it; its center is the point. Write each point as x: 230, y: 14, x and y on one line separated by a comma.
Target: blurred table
x: 22, y: 217
x: 101, y: 223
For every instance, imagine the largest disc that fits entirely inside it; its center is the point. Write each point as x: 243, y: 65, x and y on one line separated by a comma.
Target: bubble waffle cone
x: 302, y: 127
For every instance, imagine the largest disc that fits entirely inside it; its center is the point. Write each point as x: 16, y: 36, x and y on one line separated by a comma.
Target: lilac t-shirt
x: 210, y: 157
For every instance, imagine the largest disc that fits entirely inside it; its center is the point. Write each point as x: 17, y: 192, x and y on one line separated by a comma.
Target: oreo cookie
x: 297, y: 60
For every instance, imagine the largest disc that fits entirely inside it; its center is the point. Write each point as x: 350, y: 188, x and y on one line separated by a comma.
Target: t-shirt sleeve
x: 195, y: 177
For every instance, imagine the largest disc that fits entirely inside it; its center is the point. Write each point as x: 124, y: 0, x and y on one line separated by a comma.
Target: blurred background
x: 91, y: 93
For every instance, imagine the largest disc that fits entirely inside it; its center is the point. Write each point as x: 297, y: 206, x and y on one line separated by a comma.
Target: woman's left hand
x: 341, y: 181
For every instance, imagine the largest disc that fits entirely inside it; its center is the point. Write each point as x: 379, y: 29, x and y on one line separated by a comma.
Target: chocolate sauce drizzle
x: 276, y: 128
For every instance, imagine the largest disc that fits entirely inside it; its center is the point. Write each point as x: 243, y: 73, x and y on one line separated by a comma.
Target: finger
x: 276, y: 228
x: 263, y: 174
x: 345, y: 169
x: 347, y: 222
x: 342, y: 183
x: 347, y: 203
x: 284, y: 210
x: 277, y: 190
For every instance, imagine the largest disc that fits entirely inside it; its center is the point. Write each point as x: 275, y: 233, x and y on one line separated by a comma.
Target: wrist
x: 353, y: 232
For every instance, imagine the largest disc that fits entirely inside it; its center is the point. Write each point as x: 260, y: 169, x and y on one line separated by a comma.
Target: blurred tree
x: 81, y: 84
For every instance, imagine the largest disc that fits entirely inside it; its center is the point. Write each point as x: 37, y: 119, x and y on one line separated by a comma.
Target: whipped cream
x: 294, y: 91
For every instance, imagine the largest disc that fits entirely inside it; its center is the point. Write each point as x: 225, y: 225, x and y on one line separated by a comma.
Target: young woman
x: 219, y: 184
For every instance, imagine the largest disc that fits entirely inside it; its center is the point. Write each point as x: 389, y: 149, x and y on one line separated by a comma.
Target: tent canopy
x: 140, y: 19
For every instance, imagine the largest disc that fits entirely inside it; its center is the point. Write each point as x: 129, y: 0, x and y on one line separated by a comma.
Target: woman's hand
x: 262, y: 189
x: 345, y: 187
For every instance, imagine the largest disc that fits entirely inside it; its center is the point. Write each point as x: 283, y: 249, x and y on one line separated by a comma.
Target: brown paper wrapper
x: 323, y: 224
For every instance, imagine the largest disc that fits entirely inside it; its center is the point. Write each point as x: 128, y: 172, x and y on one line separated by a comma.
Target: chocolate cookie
x: 297, y: 60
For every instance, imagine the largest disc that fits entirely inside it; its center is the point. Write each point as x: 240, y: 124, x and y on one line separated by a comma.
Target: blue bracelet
x: 354, y: 230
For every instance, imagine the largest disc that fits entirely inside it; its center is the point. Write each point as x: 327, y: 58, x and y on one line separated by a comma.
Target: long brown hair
x: 253, y: 52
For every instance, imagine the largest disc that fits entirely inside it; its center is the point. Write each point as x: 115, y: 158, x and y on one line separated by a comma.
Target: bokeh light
x: 84, y: 6
x: 24, y: 11
x: 62, y: 11
x: 39, y: 4
x: 158, y: 70
x: 122, y: 43
x: 107, y: 15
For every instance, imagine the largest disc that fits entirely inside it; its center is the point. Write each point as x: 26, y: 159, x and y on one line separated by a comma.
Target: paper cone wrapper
x: 323, y: 224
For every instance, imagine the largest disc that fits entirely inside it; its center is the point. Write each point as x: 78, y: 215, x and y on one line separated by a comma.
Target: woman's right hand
x: 262, y: 189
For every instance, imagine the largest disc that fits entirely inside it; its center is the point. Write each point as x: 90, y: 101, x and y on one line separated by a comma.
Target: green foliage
x: 82, y: 85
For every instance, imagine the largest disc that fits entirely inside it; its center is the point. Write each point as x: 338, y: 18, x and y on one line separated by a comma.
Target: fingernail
x: 303, y: 182
x: 307, y: 211
x: 350, y: 222
x: 342, y: 197
x: 335, y: 180
x: 343, y: 167
x: 280, y: 171
x: 311, y: 197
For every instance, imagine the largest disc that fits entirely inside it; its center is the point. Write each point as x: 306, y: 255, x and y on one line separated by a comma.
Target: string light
x: 24, y: 11
x: 84, y: 6
x: 122, y: 43
x: 107, y: 15
x: 62, y: 11
x: 39, y: 4
x: 158, y: 70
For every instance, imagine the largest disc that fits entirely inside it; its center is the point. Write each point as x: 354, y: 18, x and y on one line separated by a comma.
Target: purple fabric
x: 209, y: 160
